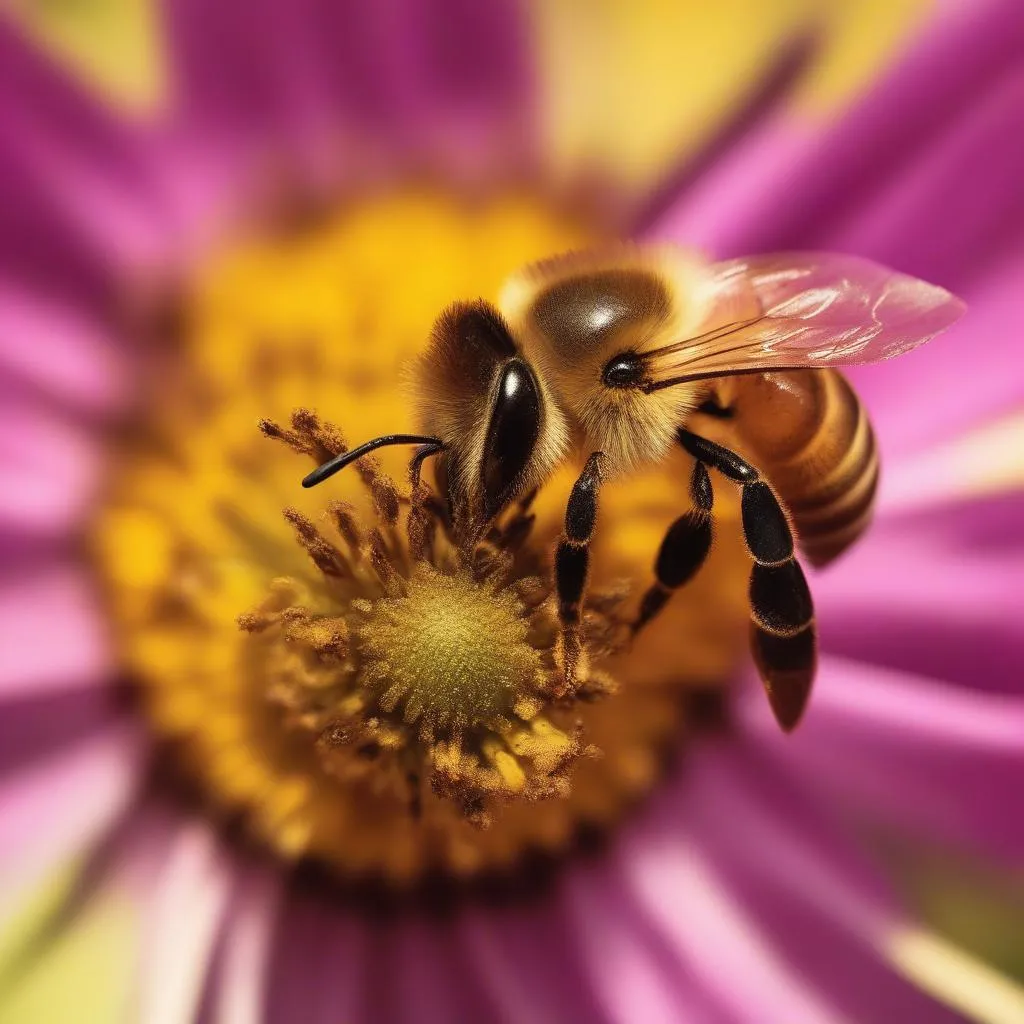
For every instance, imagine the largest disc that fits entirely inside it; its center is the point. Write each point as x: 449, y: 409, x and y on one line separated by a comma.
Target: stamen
x: 285, y: 664
x: 433, y: 663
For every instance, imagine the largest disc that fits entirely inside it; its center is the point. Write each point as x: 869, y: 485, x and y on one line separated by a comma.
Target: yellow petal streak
x: 953, y: 975
x: 116, y: 46
x: 385, y: 699
x: 631, y: 90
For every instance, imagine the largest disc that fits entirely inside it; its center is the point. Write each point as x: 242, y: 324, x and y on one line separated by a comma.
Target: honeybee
x: 613, y: 356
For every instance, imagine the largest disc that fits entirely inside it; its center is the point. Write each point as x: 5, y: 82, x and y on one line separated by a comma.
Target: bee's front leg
x: 572, y: 563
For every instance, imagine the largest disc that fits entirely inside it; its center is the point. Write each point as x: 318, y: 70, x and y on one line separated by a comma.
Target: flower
x: 742, y: 890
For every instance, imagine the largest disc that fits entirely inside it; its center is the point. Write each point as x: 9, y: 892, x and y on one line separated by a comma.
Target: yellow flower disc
x: 384, y: 709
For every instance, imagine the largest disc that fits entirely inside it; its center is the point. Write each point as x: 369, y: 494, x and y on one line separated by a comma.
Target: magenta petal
x: 246, y: 83
x: 437, y: 984
x: 319, y: 965
x: 688, y: 901
x: 52, y: 811
x: 928, y: 757
x: 766, y: 890
x: 528, y: 961
x: 329, y: 86
x: 980, y: 524
x: 52, y: 602
x: 971, y: 175
x: 909, y: 113
x: 799, y: 875
x: 49, y: 470
x: 81, y: 190
x: 712, y: 211
x: 790, y: 184
x: 922, y: 175
x: 58, y: 352
x: 634, y: 972
x: 921, y: 597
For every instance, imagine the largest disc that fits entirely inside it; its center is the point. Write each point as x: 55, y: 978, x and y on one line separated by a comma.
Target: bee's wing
x: 793, y: 310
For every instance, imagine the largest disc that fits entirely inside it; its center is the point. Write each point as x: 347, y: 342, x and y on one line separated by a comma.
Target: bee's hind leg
x: 782, y: 627
x: 572, y: 563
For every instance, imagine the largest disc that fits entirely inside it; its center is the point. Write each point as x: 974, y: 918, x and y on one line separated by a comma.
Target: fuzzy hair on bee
x: 612, y: 356
x: 471, y: 366
x: 573, y: 313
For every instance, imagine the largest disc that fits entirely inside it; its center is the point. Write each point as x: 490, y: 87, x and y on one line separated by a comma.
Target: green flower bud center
x: 451, y: 652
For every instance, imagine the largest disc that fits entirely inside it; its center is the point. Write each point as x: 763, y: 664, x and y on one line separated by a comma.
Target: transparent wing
x: 812, y: 309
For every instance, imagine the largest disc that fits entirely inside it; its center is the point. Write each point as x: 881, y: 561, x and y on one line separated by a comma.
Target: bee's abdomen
x: 810, y: 435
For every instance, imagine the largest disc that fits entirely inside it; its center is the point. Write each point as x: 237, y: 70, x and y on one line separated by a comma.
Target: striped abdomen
x: 809, y: 434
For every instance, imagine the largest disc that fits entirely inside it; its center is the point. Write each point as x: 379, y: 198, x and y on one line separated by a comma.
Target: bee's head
x: 501, y: 430
x: 587, y: 321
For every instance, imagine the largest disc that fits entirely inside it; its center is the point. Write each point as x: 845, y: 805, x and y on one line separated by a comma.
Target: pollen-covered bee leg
x: 783, y: 639
x: 572, y: 563
x: 684, y: 549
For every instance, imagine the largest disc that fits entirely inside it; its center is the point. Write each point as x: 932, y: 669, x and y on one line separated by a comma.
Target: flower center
x: 449, y: 651
x: 392, y: 705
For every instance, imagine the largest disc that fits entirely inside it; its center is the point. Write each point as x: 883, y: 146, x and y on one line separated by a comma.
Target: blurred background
x: 638, y: 116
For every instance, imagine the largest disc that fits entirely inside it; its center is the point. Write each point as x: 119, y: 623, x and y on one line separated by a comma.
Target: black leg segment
x: 780, y: 600
x: 684, y: 549
x: 764, y: 524
x: 783, y: 637
x: 786, y: 665
x: 572, y: 563
x: 727, y: 462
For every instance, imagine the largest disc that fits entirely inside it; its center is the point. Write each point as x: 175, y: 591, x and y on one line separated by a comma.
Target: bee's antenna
x: 339, y: 462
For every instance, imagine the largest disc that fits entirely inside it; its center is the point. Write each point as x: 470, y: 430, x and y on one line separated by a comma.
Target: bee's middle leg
x: 684, y: 549
x: 572, y: 564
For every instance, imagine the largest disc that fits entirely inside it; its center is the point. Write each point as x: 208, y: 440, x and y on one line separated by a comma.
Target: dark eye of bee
x: 511, y: 435
x: 625, y: 370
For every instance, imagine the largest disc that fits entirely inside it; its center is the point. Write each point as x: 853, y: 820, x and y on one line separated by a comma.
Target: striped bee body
x: 811, y: 437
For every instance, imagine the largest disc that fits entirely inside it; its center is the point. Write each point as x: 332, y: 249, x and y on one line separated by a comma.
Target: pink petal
x: 901, y: 395
x: 907, y: 117
x: 791, y: 182
x: 765, y: 888
x: 936, y: 759
x: 438, y: 985
x: 81, y: 189
x: 687, y: 900
x: 921, y: 596
x: 52, y: 633
x: 983, y: 465
x: 53, y: 811
x: 528, y: 962
x: 797, y: 872
x: 189, y: 899
x: 320, y: 964
x: 330, y: 87
x: 713, y: 211
x: 635, y: 974
x: 969, y: 175
x: 59, y: 352
x: 922, y: 176
x: 246, y: 946
x: 49, y: 470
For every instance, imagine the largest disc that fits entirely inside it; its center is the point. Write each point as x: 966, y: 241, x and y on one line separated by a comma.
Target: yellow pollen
x: 389, y: 707
x: 450, y: 652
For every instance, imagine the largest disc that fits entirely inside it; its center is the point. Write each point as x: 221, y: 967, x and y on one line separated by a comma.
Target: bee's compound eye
x: 511, y: 436
x: 623, y: 371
